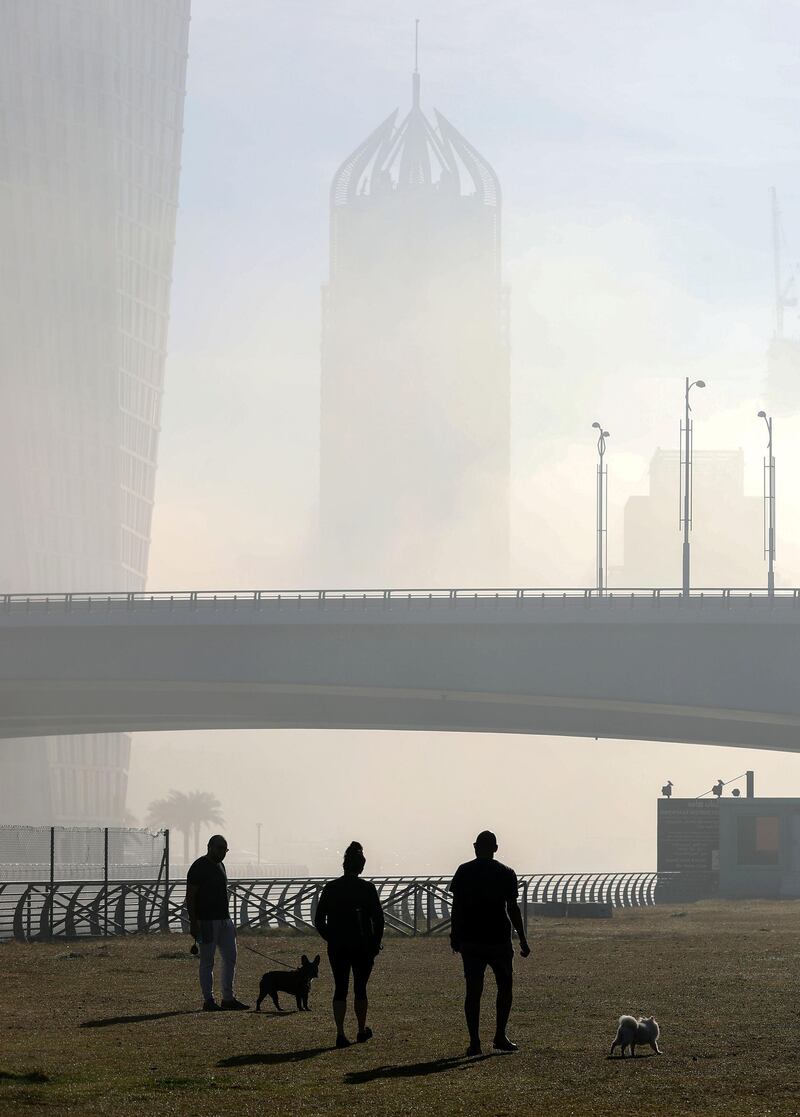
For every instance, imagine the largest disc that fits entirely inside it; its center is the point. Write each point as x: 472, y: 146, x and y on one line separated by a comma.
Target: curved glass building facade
x: 91, y: 119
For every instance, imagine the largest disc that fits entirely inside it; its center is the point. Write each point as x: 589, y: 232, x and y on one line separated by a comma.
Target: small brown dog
x: 297, y: 982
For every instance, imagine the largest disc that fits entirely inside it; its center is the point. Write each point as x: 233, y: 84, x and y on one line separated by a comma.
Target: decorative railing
x: 39, y: 910
x: 15, y: 602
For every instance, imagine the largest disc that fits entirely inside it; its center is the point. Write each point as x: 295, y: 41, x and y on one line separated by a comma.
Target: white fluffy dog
x: 632, y: 1033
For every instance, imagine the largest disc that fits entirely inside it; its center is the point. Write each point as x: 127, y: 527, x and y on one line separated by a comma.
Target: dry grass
x: 94, y: 1028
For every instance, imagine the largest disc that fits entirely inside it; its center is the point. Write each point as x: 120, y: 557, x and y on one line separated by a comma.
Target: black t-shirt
x: 349, y: 914
x: 211, y: 881
x: 482, y: 888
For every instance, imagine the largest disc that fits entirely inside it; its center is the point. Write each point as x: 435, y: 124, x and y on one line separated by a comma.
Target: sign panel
x: 688, y: 835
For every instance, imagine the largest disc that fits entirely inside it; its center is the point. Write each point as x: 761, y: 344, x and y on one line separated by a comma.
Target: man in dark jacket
x: 484, y: 911
x: 350, y: 919
x: 210, y: 924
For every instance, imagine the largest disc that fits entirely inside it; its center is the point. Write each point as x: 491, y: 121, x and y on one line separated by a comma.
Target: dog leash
x: 261, y: 954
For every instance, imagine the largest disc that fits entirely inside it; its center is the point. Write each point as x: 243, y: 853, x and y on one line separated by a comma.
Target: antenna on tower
x: 785, y: 292
x: 415, y: 77
x: 776, y: 263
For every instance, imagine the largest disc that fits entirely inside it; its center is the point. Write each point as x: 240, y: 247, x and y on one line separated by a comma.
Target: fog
x: 636, y: 149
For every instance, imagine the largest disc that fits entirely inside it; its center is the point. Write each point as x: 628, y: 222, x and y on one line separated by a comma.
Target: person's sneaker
x: 234, y: 1006
x: 474, y: 1049
x: 210, y: 1006
x: 362, y: 1037
x: 342, y: 1041
x: 503, y: 1043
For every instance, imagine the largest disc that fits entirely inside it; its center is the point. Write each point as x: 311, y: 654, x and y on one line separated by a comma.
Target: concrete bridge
x: 720, y: 667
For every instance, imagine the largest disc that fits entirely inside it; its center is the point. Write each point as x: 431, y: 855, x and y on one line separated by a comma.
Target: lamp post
x: 769, y: 500
x: 602, y: 507
x: 687, y: 483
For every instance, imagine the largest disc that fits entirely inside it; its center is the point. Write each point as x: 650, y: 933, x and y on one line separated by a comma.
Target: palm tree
x: 186, y: 813
x: 204, y: 809
x: 171, y: 814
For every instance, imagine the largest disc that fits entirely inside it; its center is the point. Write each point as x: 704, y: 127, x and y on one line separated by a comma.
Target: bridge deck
x: 719, y: 667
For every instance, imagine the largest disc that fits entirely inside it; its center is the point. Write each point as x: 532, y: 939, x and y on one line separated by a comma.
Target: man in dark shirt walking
x: 210, y: 923
x: 484, y: 911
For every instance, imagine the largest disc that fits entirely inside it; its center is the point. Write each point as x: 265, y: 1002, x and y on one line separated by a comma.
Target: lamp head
x: 596, y: 426
x: 762, y: 414
x: 605, y: 434
x: 699, y: 383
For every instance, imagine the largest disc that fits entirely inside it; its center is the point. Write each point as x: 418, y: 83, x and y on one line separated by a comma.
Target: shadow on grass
x: 272, y: 1058
x: 25, y: 1076
x: 631, y: 1058
x: 107, y: 1021
x: 274, y: 1011
x: 413, y: 1070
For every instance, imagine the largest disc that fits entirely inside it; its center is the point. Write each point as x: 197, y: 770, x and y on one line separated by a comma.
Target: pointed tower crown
x: 415, y: 155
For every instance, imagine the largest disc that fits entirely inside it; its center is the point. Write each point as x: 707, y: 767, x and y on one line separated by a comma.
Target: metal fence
x: 248, y: 870
x: 92, y: 853
x: 38, y: 910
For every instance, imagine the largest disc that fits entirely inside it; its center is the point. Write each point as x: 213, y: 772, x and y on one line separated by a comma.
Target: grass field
x: 112, y: 1027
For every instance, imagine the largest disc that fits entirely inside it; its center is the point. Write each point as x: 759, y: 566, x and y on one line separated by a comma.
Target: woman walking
x: 350, y: 919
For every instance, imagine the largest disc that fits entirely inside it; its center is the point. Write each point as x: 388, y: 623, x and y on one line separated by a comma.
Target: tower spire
x: 415, y: 75
x: 776, y: 263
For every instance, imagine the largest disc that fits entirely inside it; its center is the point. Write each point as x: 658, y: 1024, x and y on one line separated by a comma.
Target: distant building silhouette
x: 415, y: 363
x: 91, y: 115
x: 783, y: 375
x: 727, y: 535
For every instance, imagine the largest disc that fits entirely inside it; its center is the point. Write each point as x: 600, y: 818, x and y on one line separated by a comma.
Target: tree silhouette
x: 171, y: 814
x: 204, y: 809
x: 186, y: 813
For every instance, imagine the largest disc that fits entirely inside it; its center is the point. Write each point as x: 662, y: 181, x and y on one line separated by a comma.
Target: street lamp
x: 686, y: 520
x: 602, y: 508
x: 769, y: 501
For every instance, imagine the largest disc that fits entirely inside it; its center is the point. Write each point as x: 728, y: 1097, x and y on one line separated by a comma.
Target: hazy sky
x: 636, y: 145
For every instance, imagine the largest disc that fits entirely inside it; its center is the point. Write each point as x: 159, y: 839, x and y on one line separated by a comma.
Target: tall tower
x: 415, y: 363
x: 783, y: 357
x: 91, y: 118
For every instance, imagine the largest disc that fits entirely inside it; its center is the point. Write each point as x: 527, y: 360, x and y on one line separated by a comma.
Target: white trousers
x: 217, y: 934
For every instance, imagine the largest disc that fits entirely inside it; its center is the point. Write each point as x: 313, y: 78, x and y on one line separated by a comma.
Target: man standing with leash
x: 210, y: 924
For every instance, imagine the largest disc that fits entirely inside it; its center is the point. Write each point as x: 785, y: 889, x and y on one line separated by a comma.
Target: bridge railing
x: 40, y: 910
x: 14, y: 602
